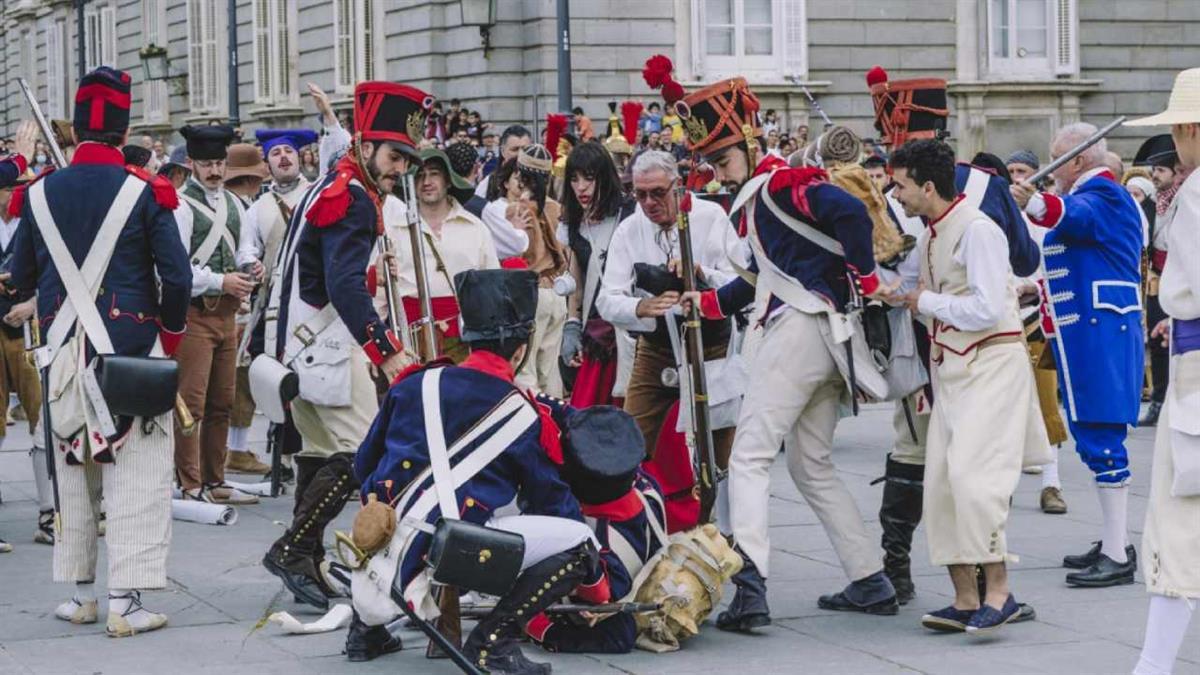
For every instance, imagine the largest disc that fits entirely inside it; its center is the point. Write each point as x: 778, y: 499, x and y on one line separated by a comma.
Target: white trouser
x: 327, y: 431
x: 545, y: 535
x: 137, y: 499
x: 908, y: 450
x: 541, y: 371
x: 794, y: 401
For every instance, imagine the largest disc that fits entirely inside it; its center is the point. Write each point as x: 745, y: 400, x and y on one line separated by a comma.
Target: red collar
x: 621, y: 508
x: 945, y: 213
x: 769, y: 163
x: 91, y: 152
x: 492, y: 364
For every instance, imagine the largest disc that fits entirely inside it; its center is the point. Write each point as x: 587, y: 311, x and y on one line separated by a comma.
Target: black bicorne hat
x: 496, y: 304
x: 102, y: 101
x: 1157, y: 151
x: 602, y: 450
x: 136, y: 155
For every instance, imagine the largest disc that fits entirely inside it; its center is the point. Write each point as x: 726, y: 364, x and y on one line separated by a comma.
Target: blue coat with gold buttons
x: 1093, y: 281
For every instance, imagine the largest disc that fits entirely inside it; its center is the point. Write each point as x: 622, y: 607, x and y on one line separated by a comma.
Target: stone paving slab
x: 218, y: 591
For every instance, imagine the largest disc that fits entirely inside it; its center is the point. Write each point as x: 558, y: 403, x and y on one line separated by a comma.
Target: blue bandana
x: 297, y: 138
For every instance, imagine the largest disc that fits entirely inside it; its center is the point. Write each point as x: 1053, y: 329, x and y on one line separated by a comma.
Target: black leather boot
x: 1152, y: 413
x: 492, y: 645
x: 292, y: 556
x: 899, y: 515
x: 364, y: 643
x: 748, y: 610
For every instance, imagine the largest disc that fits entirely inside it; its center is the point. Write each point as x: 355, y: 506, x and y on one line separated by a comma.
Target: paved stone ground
x: 218, y: 591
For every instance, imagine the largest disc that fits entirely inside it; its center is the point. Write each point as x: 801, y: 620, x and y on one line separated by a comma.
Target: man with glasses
x: 650, y: 236
x: 210, y: 220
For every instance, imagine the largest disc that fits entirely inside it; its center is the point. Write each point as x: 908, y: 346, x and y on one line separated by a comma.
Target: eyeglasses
x: 208, y: 163
x: 657, y: 194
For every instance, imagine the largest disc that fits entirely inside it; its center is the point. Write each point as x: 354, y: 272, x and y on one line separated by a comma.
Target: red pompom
x: 17, y: 201
x: 631, y: 112
x: 672, y: 91
x: 685, y: 204
x: 556, y: 124
x: 876, y: 75
x: 657, y: 71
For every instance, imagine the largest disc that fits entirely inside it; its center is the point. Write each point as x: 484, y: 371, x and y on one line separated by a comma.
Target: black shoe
x: 872, y: 594
x: 365, y: 643
x: 748, y: 610
x: 838, y: 602
x: 1026, y: 613
x: 1103, y: 573
x: 305, y: 586
x: 1079, y: 562
x: 1152, y: 412
x: 286, y: 475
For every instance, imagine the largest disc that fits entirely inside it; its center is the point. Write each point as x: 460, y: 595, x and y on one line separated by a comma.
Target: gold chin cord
x: 751, y: 146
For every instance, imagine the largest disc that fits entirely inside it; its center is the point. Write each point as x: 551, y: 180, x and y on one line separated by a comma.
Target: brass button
x: 141, y: 316
x: 406, y: 464
x: 484, y: 556
x: 469, y: 502
x: 115, y: 313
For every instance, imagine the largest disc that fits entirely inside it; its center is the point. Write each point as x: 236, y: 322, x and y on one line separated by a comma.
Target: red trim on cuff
x: 537, y: 626
x: 710, y: 306
x: 868, y: 284
x: 372, y: 281
x: 21, y: 162
x: 373, y: 352
x: 170, y: 339
x: 1054, y: 211
x: 595, y: 592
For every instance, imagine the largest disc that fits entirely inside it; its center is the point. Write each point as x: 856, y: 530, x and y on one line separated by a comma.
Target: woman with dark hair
x: 593, y: 204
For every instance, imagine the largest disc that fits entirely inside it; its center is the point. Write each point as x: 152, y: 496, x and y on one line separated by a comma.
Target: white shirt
x: 714, y: 242
x: 1179, y: 288
x: 260, y: 217
x: 8, y: 229
x: 983, y: 250
x: 464, y: 244
x: 509, y: 240
x: 203, y: 279
x: 482, y: 188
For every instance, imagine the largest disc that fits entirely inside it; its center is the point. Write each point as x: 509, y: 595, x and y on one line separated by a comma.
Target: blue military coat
x: 1093, y: 280
x: 11, y: 169
x: 133, y: 304
x: 393, y: 460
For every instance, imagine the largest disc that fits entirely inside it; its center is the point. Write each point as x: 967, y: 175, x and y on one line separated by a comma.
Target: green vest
x: 222, y: 259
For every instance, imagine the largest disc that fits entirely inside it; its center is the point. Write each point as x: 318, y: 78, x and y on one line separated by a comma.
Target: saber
x: 1071, y: 154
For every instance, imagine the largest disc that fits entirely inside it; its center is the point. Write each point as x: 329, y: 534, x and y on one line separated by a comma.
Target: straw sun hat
x: 1184, y: 105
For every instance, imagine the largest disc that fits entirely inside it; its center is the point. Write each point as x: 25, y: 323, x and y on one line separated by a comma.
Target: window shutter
x: 262, y: 51
x: 343, y: 29
x: 283, y: 51
x: 196, y: 65
x: 54, y: 68
x: 367, y: 46
x: 1066, y: 37
x: 698, y: 40
x: 212, y: 82
x: 108, y: 35
x: 795, y: 38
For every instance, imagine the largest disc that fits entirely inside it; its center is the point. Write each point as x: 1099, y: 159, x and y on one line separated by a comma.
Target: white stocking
x: 1050, y: 472
x: 1114, y: 503
x: 239, y: 438
x: 1166, y: 625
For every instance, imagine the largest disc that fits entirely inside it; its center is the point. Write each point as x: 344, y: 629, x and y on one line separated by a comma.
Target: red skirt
x: 594, y: 383
x: 673, y: 469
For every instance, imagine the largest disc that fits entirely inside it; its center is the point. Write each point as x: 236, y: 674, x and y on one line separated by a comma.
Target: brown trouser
x: 648, y: 400
x: 207, y: 359
x: 18, y: 374
x: 1046, y: 380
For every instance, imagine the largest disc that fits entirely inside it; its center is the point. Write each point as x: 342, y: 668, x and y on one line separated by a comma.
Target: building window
x: 273, y: 76
x: 56, y: 69
x: 154, y: 92
x: 206, y: 68
x: 100, y: 36
x: 765, y: 40
x: 1032, y: 38
x: 356, y: 42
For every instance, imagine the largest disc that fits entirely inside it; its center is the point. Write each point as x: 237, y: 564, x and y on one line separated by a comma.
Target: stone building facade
x: 1017, y: 68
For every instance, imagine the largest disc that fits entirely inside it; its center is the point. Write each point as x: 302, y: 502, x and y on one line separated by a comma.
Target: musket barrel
x: 1074, y: 152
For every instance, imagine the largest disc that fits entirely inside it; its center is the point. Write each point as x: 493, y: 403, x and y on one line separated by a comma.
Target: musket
x: 706, y: 461
x: 476, y: 611
x: 187, y: 424
x: 424, y: 326
x: 1088, y: 142
x: 812, y: 101
x: 33, y: 340
x: 449, y: 622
